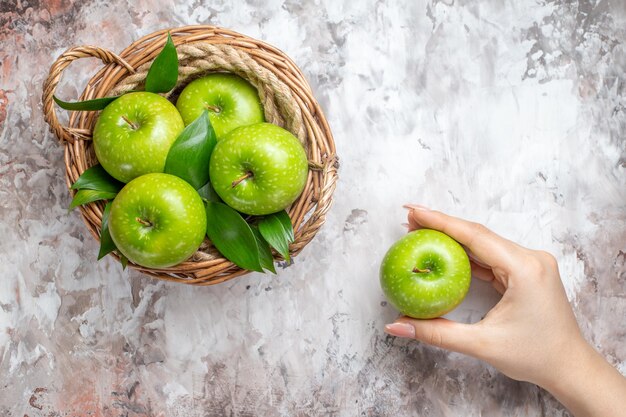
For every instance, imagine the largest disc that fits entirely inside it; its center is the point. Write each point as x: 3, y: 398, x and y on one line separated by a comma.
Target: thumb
x: 439, y: 332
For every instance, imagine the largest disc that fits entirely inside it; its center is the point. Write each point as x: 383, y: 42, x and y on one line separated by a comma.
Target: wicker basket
x: 284, y: 92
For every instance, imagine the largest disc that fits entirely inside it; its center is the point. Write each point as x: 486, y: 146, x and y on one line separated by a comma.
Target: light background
x: 510, y: 113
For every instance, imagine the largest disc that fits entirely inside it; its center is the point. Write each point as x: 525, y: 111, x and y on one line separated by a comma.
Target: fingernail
x: 400, y: 330
x: 405, y: 225
x: 415, y: 207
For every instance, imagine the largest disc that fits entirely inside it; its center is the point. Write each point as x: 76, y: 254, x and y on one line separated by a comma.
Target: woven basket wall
x: 284, y: 92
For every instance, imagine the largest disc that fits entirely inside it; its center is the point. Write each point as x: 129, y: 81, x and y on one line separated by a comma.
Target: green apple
x: 425, y: 274
x: 232, y: 102
x: 259, y: 169
x: 134, y: 133
x: 157, y: 220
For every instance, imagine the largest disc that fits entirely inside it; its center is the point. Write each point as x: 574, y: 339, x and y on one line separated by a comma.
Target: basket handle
x: 65, y: 133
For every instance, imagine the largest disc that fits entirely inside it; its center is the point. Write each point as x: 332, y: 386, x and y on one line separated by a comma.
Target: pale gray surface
x: 507, y: 112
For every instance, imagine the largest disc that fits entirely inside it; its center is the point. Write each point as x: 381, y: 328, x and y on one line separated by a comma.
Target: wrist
x: 586, y: 384
x: 577, y: 361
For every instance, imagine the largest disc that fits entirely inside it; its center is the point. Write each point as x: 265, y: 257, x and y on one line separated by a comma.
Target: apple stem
x: 213, y: 109
x: 419, y: 271
x: 130, y: 123
x: 241, y: 179
x: 144, y: 222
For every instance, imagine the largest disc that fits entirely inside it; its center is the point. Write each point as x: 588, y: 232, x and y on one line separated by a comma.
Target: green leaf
x: 189, y: 156
x: 283, y: 218
x: 265, y: 253
x: 106, y: 242
x: 123, y: 260
x: 207, y: 193
x: 88, y: 196
x: 278, y: 232
x: 96, y: 178
x: 232, y: 236
x: 94, y: 104
x: 163, y: 72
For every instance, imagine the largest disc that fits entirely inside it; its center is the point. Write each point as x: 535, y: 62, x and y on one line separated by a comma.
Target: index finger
x: 487, y: 246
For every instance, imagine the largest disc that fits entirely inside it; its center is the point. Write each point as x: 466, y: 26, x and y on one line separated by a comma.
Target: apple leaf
x: 87, y: 105
x: 96, y: 178
x: 106, y: 242
x: 163, y: 72
x: 189, y: 156
x: 89, y: 196
x: 232, y: 236
x: 123, y: 260
x: 207, y: 193
x: 265, y: 253
x: 278, y: 232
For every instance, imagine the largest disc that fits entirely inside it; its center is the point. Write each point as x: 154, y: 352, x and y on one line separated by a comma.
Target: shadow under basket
x: 286, y: 96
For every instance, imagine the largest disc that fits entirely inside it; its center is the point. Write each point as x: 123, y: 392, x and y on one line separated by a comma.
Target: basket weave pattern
x: 283, y: 90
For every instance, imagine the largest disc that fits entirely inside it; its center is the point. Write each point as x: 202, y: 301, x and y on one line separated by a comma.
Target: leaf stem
x: 132, y: 125
x: 214, y: 109
x: 144, y: 222
x: 241, y: 179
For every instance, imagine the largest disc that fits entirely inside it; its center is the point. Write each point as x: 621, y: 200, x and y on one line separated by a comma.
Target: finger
x: 480, y: 272
x: 475, y: 259
x: 440, y: 332
x: 488, y: 247
x: 413, y: 225
x: 486, y: 274
x: 498, y: 286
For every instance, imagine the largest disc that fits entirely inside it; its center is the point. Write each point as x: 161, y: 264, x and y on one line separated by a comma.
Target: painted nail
x: 400, y: 329
x: 415, y: 207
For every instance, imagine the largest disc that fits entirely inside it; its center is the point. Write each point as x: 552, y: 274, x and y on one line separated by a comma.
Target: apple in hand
x: 425, y: 274
x: 134, y: 133
x: 259, y: 169
x: 232, y: 102
x: 157, y: 220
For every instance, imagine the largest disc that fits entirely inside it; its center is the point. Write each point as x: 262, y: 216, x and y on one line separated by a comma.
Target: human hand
x: 531, y: 334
